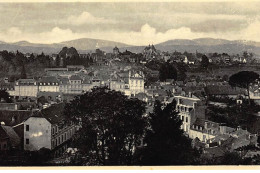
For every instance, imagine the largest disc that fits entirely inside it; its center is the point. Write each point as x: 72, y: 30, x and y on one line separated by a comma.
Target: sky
x: 133, y: 23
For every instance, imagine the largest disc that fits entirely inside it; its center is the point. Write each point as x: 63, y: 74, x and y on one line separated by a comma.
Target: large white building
x: 49, y: 84
x: 129, y: 82
x: 26, y: 88
x: 45, y: 130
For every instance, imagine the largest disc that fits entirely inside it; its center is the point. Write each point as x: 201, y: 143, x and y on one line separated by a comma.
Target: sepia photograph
x: 129, y: 83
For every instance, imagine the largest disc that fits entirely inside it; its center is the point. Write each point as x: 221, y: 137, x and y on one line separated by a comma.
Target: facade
x: 187, y: 106
x: 49, y: 84
x: 26, y: 88
x: 129, y: 82
x: 136, y: 82
x: 44, y: 130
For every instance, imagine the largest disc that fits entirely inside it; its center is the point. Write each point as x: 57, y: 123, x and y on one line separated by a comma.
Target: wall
x: 39, y: 133
x: 202, y: 136
x: 26, y: 90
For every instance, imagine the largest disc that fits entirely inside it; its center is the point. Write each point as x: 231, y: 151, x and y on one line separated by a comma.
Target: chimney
x: 190, y: 94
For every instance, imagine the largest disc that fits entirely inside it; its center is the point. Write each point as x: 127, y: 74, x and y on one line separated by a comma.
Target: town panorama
x: 129, y: 84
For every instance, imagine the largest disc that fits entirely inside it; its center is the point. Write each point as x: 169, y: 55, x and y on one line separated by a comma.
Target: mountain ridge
x: 83, y: 45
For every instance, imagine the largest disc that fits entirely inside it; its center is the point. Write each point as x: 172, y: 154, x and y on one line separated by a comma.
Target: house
x: 224, y: 91
x: 150, y: 52
x: 49, y: 84
x: 9, y: 140
x: 8, y: 106
x: 190, y: 108
x: 254, y: 93
x: 47, y: 129
x: 26, y: 88
x: 8, y: 87
x: 131, y: 82
x: 71, y: 85
x: 116, y: 51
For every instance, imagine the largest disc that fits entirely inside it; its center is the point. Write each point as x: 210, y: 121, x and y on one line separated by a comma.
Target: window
x: 27, y: 141
x: 65, y: 136
x: 59, y: 140
x: 27, y: 128
x: 187, y: 119
x: 62, y: 138
x: 4, y: 146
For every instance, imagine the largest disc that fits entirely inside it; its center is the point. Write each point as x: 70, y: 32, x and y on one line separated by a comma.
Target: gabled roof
x: 75, y: 77
x: 11, y: 134
x: 49, y: 79
x: 224, y: 90
x: 54, y: 114
x: 12, y: 118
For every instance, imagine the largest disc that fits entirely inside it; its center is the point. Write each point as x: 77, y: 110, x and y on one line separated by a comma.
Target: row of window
x: 62, y: 138
x: 187, y: 119
x: 54, y: 83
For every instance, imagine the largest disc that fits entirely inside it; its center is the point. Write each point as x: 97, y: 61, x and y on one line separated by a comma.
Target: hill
x: 83, y: 45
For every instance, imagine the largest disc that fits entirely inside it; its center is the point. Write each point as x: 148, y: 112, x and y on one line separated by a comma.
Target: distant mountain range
x: 203, y: 45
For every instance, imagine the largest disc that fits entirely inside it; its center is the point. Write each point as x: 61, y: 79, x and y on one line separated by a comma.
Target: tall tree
x: 167, y: 71
x: 23, y: 73
x: 112, y: 125
x: 204, y: 62
x: 165, y: 141
x: 243, y: 79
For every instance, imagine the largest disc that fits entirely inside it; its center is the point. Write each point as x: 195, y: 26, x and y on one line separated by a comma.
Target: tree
x: 204, y: 62
x: 243, y: 79
x: 23, y: 73
x: 112, y: 126
x: 166, y: 143
x: 167, y: 71
x: 57, y: 61
x: 181, y: 71
x: 5, y: 95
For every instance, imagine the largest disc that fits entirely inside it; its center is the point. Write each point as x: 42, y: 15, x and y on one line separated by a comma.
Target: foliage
x: 112, y: 125
x: 234, y: 115
x: 243, y: 79
x: 23, y: 73
x: 165, y: 141
x: 204, y: 62
x: 5, y: 95
x: 181, y: 71
x: 167, y: 71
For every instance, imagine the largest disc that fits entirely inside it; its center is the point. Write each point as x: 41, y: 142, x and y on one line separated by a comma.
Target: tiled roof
x: 12, y: 135
x: 75, y: 77
x: 12, y: 118
x: 54, y: 113
x: 49, y: 79
x: 224, y: 90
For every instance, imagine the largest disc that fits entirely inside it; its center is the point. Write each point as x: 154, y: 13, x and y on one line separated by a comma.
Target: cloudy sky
x: 133, y: 23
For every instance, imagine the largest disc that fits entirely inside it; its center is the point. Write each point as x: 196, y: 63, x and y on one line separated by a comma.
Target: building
x: 9, y: 140
x: 190, y: 108
x: 129, y: 82
x: 26, y: 88
x: 49, y: 84
x: 71, y: 85
x: 150, y: 52
x: 223, y: 91
x: 46, y: 129
x: 116, y: 51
